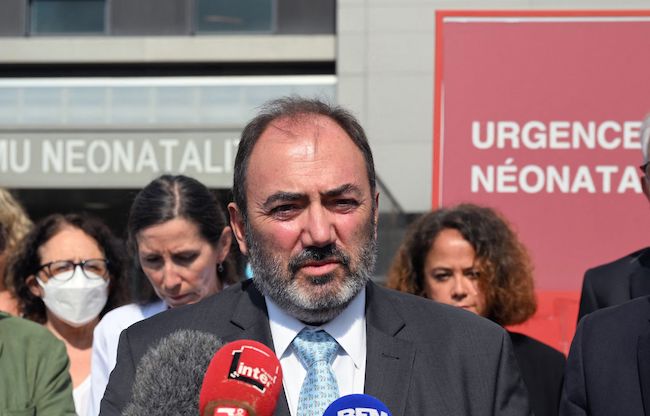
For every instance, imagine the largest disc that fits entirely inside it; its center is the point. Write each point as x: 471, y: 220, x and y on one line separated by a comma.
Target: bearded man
x: 305, y: 212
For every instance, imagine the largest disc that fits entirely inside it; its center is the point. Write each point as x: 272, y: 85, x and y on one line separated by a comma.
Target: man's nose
x: 318, y: 230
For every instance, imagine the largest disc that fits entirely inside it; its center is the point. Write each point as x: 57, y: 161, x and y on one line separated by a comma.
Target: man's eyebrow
x: 295, y: 196
x: 343, y: 189
x: 282, y: 196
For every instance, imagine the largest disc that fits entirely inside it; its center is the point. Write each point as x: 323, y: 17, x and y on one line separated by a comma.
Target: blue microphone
x: 357, y: 405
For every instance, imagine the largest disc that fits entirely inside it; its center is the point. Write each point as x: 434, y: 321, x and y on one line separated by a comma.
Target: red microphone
x: 244, y: 378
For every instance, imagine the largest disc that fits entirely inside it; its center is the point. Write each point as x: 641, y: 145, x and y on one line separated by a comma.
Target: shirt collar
x: 348, y: 328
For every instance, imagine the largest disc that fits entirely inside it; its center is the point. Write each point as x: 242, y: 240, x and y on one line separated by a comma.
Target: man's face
x: 311, y: 224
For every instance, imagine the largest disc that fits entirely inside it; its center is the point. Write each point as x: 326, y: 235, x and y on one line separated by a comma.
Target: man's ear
x: 238, y: 228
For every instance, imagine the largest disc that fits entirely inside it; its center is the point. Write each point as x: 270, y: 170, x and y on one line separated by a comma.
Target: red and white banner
x: 537, y: 114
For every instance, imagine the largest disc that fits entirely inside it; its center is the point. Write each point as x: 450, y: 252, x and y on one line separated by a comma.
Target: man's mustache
x: 311, y: 254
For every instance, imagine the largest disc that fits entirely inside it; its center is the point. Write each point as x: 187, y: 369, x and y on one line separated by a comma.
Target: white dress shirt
x: 348, y: 329
x: 105, y: 339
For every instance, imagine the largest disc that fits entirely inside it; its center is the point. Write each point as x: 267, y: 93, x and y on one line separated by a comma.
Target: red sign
x: 537, y: 115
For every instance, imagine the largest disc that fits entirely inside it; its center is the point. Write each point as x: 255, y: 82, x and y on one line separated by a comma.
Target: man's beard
x: 306, y: 301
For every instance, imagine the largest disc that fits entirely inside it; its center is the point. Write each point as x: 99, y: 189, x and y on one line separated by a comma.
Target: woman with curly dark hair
x: 68, y: 273
x: 468, y: 256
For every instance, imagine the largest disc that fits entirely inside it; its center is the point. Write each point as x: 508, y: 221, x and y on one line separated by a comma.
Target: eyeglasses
x: 63, y: 270
x: 644, y: 169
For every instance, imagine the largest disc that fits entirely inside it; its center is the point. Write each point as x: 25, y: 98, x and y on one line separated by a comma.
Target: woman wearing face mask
x: 467, y: 256
x: 180, y: 240
x: 69, y: 273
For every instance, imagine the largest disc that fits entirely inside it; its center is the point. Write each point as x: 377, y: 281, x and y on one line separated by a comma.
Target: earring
x: 219, y: 268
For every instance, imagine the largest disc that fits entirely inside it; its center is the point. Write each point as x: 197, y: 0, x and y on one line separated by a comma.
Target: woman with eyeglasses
x: 67, y: 275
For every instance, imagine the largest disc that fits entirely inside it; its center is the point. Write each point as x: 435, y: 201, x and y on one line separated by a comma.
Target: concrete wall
x: 167, y: 49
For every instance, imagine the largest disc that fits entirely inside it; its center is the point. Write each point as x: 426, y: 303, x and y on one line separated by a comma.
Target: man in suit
x: 608, y: 368
x: 305, y: 212
x: 628, y: 277
x: 616, y: 282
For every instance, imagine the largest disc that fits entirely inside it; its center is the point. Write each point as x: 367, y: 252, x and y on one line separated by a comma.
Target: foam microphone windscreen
x: 244, y: 378
x: 168, y: 377
x: 357, y: 405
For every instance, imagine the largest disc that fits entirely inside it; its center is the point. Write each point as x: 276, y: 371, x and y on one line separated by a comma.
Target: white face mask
x: 78, y: 300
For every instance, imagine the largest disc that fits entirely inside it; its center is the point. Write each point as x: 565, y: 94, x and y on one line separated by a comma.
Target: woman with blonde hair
x: 14, y: 225
x: 467, y: 256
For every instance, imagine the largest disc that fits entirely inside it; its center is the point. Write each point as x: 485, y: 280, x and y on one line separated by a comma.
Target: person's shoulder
x: 24, y: 332
x: 617, y: 321
x: 13, y: 326
x: 535, y: 348
x: 422, y: 313
x: 124, y: 316
x: 609, y: 337
x: 620, y: 264
x: 140, y: 311
x: 208, y: 313
x: 131, y: 309
x: 633, y: 310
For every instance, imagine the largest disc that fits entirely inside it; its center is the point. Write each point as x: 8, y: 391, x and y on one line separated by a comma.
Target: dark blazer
x: 422, y: 357
x: 616, y: 282
x: 608, y: 369
x: 542, y: 368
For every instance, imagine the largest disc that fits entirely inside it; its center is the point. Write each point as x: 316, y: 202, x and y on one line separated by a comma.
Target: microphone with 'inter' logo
x: 244, y: 378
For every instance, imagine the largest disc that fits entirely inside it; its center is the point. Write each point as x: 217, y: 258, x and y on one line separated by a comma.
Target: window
x: 234, y: 16
x: 67, y: 16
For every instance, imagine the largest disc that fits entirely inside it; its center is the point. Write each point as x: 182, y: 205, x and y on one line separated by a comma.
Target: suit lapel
x: 640, y: 278
x: 389, y: 360
x: 388, y: 369
x: 250, y: 320
x: 643, y: 362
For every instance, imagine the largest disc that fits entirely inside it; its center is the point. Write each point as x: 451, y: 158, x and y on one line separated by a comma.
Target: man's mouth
x: 320, y: 267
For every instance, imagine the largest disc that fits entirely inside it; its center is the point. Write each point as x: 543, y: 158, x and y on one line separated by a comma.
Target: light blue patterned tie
x: 316, y: 350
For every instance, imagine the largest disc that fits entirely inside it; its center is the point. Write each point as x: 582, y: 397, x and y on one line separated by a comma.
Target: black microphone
x: 169, y: 376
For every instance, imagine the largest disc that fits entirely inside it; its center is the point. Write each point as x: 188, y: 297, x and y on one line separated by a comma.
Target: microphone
x: 357, y: 405
x: 168, y: 376
x: 244, y: 378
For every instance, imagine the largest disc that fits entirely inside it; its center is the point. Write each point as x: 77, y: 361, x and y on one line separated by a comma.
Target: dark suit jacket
x: 422, y: 358
x: 608, y: 369
x: 542, y: 368
x: 616, y: 282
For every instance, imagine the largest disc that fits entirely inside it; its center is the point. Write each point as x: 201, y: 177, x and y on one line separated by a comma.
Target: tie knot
x: 315, y: 346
